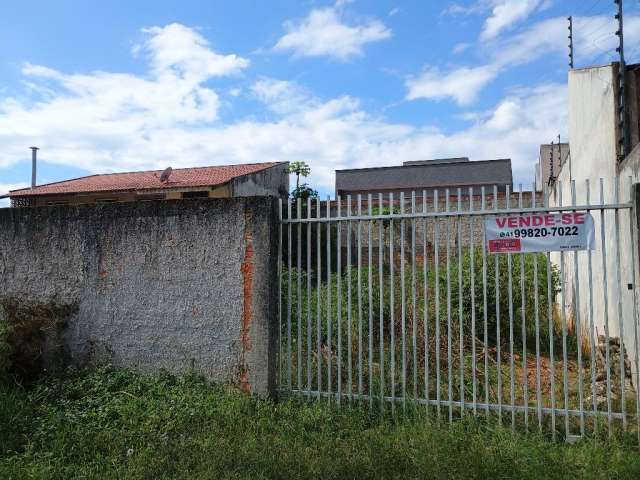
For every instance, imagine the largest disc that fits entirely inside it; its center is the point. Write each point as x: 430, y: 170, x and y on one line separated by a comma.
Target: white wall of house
x: 593, y: 143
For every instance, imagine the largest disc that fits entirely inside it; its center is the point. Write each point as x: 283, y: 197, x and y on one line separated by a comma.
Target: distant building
x: 246, y: 180
x: 426, y: 175
x: 551, y: 160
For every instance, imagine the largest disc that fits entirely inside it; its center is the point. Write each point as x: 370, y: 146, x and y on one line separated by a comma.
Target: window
x: 106, y: 200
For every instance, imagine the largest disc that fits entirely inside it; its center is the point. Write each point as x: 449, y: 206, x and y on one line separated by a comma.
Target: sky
x: 119, y: 86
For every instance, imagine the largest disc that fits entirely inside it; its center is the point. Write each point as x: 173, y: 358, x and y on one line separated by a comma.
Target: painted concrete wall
x: 629, y: 174
x: 176, y: 285
x: 605, y: 296
x: 272, y: 182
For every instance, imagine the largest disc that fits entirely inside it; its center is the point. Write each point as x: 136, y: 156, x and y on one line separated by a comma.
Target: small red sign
x: 504, y: 245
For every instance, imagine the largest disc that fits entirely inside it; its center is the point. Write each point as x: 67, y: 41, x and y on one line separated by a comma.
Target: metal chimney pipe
x: 34, y: 165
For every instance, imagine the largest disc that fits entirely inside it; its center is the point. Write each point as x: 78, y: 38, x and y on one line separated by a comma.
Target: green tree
x: 300, y: 169
x: 304, y: 191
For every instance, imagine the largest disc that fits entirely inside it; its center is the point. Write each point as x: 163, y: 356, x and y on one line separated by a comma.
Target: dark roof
x: 146, y: 180
x: 436, y: 160
x: 426, y: 175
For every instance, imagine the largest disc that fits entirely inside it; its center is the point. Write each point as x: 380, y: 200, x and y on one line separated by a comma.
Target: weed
x: 109, y: 423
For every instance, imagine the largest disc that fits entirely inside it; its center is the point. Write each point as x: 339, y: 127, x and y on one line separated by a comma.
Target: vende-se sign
x: 540, y: 232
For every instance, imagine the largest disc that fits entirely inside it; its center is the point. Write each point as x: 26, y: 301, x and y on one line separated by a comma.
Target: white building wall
x: 629, y: 174
x: 593, y: 142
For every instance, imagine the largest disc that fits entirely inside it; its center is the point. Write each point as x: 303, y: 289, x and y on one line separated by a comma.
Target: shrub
x: 525, y: 290
x: 498, y: 308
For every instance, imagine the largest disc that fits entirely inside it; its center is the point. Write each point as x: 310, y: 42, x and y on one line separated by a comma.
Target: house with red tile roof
x: 225, y: 181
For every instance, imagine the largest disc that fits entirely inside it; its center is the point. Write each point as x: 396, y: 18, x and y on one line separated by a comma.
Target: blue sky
x: 119, y: 86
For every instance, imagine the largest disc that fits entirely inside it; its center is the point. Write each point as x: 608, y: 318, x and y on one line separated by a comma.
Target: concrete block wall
x: 187, y: 285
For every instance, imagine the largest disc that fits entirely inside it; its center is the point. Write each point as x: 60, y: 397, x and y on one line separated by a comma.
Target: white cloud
x: 505, y: 13
x: 462, y: 84
x: 339, y: 134
x: 542, y: 38
x: 282, y: 96
x: 106, y: 122
x: 461, y: 47
x: 457, y: 9
x: 502, y: 14
x: 324, y: 33
x: 393, y: 12
x: 181, y: 51
x: 593, y: 36
x: 110, y: 119
x: 513, y: 129
x: 40, y: 71
x: 547, y: 37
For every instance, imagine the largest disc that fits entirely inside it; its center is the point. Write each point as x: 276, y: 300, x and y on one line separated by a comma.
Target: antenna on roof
x: 164, y: 178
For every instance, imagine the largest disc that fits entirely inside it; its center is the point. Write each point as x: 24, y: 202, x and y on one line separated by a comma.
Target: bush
x: 432, y: 323
x: 524, y: 289
x: 497, y: 303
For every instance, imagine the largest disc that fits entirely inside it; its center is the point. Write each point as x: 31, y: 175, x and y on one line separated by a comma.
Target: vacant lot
x: 117, y: 424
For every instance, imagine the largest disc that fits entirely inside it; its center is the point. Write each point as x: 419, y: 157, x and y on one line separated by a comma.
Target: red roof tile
x: 149, y: 180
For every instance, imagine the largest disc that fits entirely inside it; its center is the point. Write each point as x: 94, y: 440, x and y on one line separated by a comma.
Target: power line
x: 591, y: 7
x: 605, y: 53
x: 597, y: 47
x: 607, y: 22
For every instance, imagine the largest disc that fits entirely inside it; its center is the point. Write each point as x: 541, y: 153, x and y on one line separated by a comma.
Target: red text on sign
x: 547, y: 220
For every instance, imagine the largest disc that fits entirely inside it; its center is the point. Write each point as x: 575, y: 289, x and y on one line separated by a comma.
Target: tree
x: 304, y: 191
x: 300, y: 169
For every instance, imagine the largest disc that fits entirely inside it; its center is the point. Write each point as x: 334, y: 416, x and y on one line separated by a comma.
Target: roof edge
x: 16, y: 193
x: 471, y: 162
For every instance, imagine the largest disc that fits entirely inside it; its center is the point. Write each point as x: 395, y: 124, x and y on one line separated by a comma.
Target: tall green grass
x: 116, y: 424
x: 349, y: 294
x: 328, y: 320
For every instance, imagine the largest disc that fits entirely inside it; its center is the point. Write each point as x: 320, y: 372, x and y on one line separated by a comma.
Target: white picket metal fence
x: 395, y: 302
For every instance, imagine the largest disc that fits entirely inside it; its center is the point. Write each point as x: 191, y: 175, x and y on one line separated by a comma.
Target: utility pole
x: 570, y: 18
x: 622, y: 102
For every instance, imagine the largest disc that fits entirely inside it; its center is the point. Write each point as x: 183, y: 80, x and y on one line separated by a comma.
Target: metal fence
x: 395, y: 302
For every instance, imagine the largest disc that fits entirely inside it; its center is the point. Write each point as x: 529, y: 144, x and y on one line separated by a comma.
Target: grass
x: 117, y: 424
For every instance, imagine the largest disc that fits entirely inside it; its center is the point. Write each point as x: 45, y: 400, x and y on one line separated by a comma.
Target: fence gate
x: 396, y: 302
